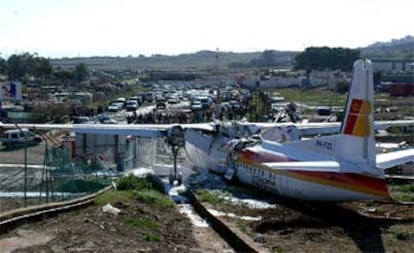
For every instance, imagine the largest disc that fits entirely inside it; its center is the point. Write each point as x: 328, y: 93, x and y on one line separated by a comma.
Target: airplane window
x: 14, y: 136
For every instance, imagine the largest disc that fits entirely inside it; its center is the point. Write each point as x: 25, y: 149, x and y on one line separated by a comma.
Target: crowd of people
x: 188, y: 116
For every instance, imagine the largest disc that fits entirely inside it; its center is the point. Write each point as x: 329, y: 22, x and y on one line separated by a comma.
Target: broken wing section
x: 391, y: 159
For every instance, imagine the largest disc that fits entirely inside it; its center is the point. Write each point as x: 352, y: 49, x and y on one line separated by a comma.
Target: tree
x: 321, y: 58
x: 42, y: 68
x: 26, y: 64
x: 3, y: 66
x: 17, y: 66
x: 266, y: 59
x: 63, y: 75
x: 81, y: 72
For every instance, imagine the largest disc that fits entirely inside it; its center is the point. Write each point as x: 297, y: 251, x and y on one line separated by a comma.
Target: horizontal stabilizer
x: 391, y: 159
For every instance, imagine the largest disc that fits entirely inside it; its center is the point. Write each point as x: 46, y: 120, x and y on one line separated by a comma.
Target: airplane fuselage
x: 271, y: 167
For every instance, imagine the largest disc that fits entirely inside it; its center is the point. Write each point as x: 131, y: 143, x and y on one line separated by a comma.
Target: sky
x: 82, y: 28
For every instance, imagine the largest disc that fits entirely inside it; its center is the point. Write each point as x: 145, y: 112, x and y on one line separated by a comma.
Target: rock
x: 89, y: 244
x: 108, y: 208
x: 259, y: 238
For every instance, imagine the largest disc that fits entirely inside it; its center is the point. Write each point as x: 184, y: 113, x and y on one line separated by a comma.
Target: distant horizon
x: 194, y: 52
x: 87, y: 28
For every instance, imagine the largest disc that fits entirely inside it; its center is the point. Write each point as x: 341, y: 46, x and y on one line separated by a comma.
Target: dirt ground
x: 308, y: 227
x: 138, y: 228
x: 290, y: 226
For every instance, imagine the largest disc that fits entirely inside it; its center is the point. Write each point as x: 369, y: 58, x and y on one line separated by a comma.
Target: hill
x: 402, y: 49
x: 202, y: 60
x: 208, y: 60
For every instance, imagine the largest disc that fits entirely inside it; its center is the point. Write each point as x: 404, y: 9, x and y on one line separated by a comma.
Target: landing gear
x: 175, y: 138
x: 174, y: 176
x: 175, y: 179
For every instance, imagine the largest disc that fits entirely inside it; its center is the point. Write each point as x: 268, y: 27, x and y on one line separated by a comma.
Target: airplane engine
x: 175, y: 136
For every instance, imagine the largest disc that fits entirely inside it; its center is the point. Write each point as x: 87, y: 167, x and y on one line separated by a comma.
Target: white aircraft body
x: 271, y: 156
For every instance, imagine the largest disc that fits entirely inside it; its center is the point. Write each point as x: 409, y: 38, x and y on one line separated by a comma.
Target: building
x: 393, y: 65
x: 401, y: 89
x: 399, y: 84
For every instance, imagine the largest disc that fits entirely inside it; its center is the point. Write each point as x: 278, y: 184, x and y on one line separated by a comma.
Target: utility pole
x: 218, y: 100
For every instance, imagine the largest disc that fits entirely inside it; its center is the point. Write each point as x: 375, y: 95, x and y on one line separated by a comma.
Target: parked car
x: 115, y: 107
x: 105, y: 119
x: 161, y: 106
x: 131, y: 105
x: 16, y: 137
x: 196, y: 105
x: 82, y: 120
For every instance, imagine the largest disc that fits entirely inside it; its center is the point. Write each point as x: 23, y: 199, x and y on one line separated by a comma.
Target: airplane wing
x: 315, y: 128
x: 144, y: 130
x: 152, y: 130
x: 37, y: 126
x: 391, y: 159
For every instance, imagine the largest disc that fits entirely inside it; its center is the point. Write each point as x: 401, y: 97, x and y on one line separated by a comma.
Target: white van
x: 16, y: 137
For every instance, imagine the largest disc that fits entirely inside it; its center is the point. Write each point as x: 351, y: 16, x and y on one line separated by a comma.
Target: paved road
x: 35, y: 154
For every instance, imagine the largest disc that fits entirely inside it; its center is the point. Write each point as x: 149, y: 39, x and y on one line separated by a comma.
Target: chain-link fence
x: 63, y: 176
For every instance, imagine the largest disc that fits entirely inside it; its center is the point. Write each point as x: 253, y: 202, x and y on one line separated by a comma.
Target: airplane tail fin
x: 357, y: 140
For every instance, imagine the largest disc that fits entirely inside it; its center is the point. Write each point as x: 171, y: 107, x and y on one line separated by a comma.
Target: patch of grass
x: 208, y: 196
x: 404, y: 197
x: 131, y: 182
x: 154, y: 198
x: 402, y: 235
x: 243, y: 190
x: 313, y: 96
x: 402, y: 192
x: 152, y: 238
x: 406, y: 188
x: 142, y: 223
x: 277, y: 249
x: 114, y: 196
x: 242, y: 226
